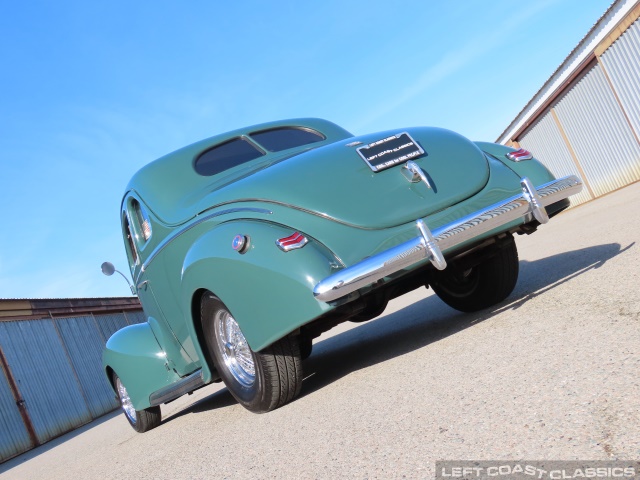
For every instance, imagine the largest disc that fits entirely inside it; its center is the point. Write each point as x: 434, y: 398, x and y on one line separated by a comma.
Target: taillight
x: 293, y: 241
x: 519, y: 155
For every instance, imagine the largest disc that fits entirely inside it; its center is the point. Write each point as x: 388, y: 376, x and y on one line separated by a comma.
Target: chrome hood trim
x: 529, y: 205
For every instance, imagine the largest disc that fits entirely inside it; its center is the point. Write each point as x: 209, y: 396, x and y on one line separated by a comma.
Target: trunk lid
x: 334, y: 181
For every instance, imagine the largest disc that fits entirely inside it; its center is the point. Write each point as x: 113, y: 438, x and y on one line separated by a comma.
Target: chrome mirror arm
x: 108, y: 269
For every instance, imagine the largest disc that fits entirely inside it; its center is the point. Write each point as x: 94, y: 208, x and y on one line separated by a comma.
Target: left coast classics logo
x: 541, y: 470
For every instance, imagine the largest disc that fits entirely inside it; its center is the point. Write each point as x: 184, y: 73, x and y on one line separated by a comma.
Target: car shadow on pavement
x: 220, y: 399
x: 430, y: 320
x: 420, y: 324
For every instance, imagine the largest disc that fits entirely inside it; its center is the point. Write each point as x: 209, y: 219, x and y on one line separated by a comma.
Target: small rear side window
x: 226, y: 156
x: 143, y: 226
x: 131, y: 250
x: 278, y: 139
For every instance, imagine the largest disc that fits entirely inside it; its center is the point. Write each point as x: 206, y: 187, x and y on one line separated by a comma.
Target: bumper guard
x: 529, y: 205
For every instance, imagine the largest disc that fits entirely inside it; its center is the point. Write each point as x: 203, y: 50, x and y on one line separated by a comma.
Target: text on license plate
x: 390, y: 151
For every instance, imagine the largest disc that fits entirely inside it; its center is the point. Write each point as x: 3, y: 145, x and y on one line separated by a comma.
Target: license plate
x: 390, y: 151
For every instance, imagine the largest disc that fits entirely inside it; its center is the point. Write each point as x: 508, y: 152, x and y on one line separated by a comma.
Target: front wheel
x: 260, y: 381
x: 141, y: 420
x: 480, y: 286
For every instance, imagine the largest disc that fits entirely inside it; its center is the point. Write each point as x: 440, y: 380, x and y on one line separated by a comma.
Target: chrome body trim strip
x: 430, y: 245
x: 175, y: 390
x: 200, y: 220
x: 295, y: 207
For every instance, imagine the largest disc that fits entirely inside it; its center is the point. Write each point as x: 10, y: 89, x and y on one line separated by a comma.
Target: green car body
x: 189, y: 234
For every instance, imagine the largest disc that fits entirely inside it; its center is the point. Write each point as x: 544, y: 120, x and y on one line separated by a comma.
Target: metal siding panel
x: 615, y: 14
x: 136, y: 317
x: 14, y: 439
x: 47, y: 383
x: 84, y: 345
x: 110, y: 324
x: 545, y: 141
x: 599, y: 134
x: 622, y: 63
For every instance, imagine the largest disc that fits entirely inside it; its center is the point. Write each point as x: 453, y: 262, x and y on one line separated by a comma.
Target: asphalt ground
x: 549, y: 374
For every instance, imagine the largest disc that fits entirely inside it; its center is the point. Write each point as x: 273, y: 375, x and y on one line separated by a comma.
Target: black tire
x: 140, y: 420
x: 260, y: 381
x: 306, y: 347
x: 470, y: 289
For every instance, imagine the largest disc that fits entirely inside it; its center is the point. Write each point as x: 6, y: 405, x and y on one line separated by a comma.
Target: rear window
x: 278, y: 139
x: 226, y: 156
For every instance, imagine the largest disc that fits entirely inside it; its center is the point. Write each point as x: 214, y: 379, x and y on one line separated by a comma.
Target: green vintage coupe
x: 246, y: 246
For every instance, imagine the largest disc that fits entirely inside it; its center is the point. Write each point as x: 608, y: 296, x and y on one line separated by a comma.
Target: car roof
x: 169, y: 186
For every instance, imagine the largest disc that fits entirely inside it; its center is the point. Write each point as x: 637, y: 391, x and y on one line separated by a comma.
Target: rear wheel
x: 260, y: 381
x: 141, y: 420
x: 473, y: 288
x: 306, y: 346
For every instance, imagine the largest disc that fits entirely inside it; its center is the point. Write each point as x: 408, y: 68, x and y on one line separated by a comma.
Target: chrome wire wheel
x: 260, y: 381
x: 125, y: 402
x: 234, y: 349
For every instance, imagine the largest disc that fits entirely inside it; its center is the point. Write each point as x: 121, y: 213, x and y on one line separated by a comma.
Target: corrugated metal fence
x: 51, y: 378
x: 593, y: 128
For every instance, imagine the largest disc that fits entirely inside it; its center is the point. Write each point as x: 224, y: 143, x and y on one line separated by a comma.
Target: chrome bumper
x: 528, y: 205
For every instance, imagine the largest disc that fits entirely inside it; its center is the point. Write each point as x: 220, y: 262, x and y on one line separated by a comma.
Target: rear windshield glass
x: 279, y: 139
x: 226, y: 156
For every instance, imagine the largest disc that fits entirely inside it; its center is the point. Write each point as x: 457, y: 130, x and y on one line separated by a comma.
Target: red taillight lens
x: 519, y: 155
x: 293, y: 241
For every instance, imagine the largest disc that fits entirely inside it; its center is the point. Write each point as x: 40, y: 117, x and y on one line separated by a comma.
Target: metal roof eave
x: 566, y: 72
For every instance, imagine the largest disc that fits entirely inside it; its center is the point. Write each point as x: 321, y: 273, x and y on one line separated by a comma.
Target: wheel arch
x: 280, y: 283
x: 110, y: 372
x: 133, y: 353
x: 196, y: 316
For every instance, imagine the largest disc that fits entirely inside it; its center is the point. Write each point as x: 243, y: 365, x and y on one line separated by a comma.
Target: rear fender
x: 532, y: 169
x: 268, y: 291
x: 134, y: 354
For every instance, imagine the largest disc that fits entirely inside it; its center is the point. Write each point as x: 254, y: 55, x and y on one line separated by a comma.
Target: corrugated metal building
x: 586, y: 117
x: 51, y: 378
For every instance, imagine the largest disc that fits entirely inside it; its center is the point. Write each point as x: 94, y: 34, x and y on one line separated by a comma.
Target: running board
x: 171, y: 392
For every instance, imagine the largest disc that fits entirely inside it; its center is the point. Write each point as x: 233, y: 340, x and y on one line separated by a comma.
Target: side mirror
x: 108, y: 269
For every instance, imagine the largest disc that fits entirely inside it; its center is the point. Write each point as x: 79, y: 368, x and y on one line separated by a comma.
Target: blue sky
x: 92, y: 91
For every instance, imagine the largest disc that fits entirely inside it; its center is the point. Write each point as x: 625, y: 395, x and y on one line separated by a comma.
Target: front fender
x: 268, y: 291
x: 134, y: 355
